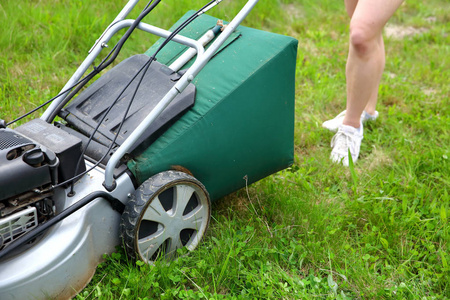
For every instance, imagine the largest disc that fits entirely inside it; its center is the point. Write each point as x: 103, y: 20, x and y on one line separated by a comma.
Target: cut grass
x: 319, y: 230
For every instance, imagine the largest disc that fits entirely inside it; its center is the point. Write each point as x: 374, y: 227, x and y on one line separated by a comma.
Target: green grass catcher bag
x: 242, y: 123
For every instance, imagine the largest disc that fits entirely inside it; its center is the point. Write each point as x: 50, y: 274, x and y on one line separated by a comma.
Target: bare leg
x: 372, y: 103
x: 365, y: 66
x: 366, y: 58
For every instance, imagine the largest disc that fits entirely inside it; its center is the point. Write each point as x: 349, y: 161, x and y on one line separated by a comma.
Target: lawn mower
x: 135, y: 158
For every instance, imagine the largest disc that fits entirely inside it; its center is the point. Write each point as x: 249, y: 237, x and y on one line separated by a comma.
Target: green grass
x: 379, y: 230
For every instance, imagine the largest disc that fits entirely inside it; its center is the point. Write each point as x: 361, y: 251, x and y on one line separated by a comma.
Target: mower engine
x: 33, y: 158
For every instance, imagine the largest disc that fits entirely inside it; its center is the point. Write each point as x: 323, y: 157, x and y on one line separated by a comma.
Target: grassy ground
x: 316, y: 230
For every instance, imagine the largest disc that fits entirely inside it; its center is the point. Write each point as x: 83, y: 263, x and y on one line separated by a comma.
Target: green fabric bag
x: 242, y: 124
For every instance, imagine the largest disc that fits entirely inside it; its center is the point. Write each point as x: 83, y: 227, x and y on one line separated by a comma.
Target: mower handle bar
x: 201, y: 60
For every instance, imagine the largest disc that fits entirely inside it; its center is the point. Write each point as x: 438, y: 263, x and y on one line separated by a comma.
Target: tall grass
x: 317, y: 230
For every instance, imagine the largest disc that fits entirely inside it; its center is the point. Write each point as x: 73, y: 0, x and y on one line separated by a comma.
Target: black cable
x: 181, y: 27
x: 148, y: 4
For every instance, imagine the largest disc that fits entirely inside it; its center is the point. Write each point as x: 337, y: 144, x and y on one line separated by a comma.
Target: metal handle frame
x: 201, y: 60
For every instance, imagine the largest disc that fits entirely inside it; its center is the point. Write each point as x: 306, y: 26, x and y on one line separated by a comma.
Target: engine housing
x: 33, y: 158
x: 22, y: 164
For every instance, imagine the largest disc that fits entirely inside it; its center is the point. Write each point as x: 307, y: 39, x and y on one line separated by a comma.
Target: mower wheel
x: 170, y: 210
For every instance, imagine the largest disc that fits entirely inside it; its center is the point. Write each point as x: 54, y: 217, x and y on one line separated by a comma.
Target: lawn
x: 378, y: 230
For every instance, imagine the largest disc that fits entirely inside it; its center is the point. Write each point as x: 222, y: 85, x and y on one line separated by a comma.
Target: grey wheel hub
x: 169, y: 211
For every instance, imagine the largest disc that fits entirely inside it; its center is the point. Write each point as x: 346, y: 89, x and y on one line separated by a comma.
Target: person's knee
x: 362, y: 39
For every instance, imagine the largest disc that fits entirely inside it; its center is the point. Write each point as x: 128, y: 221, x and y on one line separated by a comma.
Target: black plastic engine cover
x: 16, y: 175
x: 86, y: 111
x: 66, y: 146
